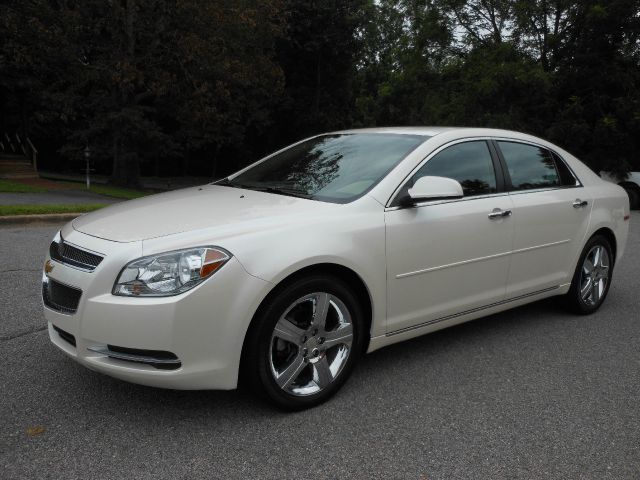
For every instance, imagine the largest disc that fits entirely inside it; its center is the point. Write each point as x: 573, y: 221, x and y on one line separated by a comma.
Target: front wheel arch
x: 354, y: 281
x: 284, y: 358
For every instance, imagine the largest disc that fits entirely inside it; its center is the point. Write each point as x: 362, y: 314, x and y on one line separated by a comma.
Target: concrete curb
x: 45, y: 218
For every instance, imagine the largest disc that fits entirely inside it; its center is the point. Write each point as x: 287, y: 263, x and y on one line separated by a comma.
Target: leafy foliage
x: 204, y: 87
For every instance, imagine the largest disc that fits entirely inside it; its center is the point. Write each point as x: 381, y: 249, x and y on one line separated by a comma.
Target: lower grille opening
x: 60, y: 297
x: 156, y: 358
x: 66, y: 336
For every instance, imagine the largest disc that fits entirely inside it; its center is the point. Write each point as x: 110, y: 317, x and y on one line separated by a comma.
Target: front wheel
x: 592, y: 277
x: 305, y: 342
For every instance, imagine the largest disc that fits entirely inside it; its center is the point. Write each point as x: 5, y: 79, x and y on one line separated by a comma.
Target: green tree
x: 408, y: 43
x: 150, y: 80
x: 318, y: 55
x: 597, y: 80
x: 484, y: 22
x: 542, y: 28
x: 173, y: 85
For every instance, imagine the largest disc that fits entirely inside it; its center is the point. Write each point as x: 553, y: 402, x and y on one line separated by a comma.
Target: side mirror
x: 434, y: 188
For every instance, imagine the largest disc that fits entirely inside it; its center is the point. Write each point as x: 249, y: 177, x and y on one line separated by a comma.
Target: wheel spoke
x: 288, y: 331
x: 597, y: 291
x: 289, y: 374
x: 597, y: 255
x: 587, y: 266
x: 321, y: 309
x: 343, y: 335
x: 586, y: 289
x: 322, y: 373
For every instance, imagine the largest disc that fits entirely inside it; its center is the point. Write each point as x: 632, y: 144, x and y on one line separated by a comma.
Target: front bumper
x: 204, y: 328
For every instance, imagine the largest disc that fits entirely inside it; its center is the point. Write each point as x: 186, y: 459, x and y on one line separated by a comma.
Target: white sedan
x: 284, y: 273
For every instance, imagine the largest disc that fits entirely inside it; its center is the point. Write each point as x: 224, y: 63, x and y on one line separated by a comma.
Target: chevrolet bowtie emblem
x: 48, y: 266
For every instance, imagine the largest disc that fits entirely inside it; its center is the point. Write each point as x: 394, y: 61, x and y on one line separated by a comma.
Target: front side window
x: 469, y: 163
x: 334, y: 168
x: 529, y: 166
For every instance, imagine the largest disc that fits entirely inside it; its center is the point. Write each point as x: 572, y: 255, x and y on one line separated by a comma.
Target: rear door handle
x: 580, y: 203
x: 498, y: 213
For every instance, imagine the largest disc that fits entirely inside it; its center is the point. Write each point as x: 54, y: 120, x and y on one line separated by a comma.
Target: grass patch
x: 17, y: 187
x: 44, y: 209
x: 108, y: 190
x: 118, y: 192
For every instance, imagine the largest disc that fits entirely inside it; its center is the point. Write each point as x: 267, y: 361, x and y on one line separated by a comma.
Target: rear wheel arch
x: 604, y: 231
x: 591, y: 279
x: 611, y: 238
x: 630, y: 184
x: 633, y: 191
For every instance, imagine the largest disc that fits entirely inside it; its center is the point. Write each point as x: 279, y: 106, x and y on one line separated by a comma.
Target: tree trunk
x: 126, y: 162
x: 126, y: 165
x: 24, y: 122
x: 3, y: 109
x: 118, y: 174
x: 214, y: 162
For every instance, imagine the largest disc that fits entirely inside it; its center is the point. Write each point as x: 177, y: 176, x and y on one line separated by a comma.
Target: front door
x: 448, y: 257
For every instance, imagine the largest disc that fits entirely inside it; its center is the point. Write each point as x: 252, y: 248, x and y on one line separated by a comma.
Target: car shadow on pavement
x: 388, y: 368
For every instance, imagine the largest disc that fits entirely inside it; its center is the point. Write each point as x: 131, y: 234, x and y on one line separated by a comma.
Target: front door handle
x: 498, y: 213
x: 580, y: 203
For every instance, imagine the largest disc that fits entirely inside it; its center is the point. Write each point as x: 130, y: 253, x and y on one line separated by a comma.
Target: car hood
x: 193, y: 209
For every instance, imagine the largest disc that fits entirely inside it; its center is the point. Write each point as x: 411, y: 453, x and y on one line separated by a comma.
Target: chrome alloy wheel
x: 311, y: 344
x: 594, y: 275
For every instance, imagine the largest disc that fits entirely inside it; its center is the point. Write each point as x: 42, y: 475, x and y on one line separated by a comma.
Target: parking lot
x: 531, y: 393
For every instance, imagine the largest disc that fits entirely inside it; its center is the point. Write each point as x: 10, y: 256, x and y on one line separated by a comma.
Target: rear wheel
x: 305, y: 342
x: 592, y: 277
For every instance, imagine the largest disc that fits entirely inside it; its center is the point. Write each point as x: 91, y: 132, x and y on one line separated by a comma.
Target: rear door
x: 551, y: 213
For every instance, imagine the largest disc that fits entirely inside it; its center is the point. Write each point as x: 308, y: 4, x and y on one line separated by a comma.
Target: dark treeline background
x: 203, y: 87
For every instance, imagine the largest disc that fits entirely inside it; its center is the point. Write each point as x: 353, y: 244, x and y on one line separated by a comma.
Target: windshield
x: 333, y: 168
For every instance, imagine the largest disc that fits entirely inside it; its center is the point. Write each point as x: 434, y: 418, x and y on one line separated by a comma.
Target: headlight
x: 169, y: 273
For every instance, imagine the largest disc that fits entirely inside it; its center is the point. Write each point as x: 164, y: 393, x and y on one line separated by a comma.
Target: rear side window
x: 469, y: 163
x: 567, y: 178
x: 529, y: 166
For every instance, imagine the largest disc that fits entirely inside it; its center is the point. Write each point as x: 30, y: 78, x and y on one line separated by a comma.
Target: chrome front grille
x: 60, y: 297
x: 73, y: 256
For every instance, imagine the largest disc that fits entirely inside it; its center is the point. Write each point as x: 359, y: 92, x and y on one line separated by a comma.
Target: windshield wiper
x: 223, y: 181
x: 260, y: 188
x: 282, y: 191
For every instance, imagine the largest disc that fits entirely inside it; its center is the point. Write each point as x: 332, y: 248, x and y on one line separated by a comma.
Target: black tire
x: 634, y: 196
x: 574, y: 299
x: 260, y: 348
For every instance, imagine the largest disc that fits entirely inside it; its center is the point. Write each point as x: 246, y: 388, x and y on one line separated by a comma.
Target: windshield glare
x: 334, y: 168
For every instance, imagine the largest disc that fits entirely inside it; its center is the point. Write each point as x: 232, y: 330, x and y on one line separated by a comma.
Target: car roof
x: 431, y: 131
x: 424, y: 131
x: 453, y: 133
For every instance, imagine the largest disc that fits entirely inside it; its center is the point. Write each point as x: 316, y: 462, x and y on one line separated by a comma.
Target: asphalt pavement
x: 533, y: 393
